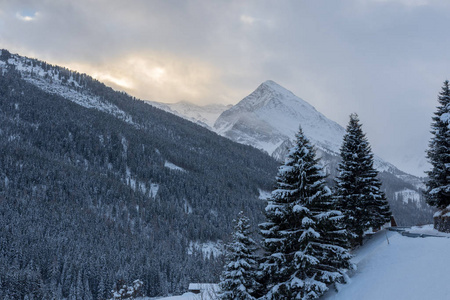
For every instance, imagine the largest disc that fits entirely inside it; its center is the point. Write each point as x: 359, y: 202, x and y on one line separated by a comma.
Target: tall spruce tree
x: 438, y: 186
x: 358, y: 190
x: 305, y: 243
x: 238, y: 280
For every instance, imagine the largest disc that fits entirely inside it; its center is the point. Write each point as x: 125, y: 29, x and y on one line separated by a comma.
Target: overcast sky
x: 383, y: 59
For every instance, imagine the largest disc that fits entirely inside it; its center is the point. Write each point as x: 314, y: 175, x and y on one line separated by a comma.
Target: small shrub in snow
x: 124, y: 291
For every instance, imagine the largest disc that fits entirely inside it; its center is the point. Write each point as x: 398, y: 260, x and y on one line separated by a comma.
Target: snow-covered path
x: 406, y: 268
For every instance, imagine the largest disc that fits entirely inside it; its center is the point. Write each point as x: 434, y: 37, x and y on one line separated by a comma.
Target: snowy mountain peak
x: 270, y: 93
x: 271, y: 115
x: 275, y: 89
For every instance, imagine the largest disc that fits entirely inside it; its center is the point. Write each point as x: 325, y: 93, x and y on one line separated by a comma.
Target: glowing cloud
x: 124, y: 83
x: 157, y: 76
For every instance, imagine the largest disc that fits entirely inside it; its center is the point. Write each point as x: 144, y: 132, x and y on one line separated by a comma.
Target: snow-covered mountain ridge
x: 205, y: 115
x: 52, y: 80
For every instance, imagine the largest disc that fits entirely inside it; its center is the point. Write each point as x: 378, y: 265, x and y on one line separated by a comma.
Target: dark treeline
x: 77, y: 212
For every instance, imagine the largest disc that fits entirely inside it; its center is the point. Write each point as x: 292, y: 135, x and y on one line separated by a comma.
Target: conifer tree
x: 238, y: 280
x: 305, y: 243
x: 101, y: 289
x: 438, y: 186
x: 358, y: 190
x: 87, y: 295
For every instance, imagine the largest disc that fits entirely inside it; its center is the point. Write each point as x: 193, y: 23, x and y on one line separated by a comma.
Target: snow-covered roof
x: 203, y: 286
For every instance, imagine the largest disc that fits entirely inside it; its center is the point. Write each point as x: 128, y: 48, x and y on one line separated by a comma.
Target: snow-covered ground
x: 405, y: 268
x: 428, y: 230
x: 264, y: 195
x: 409, y: 195
x: 391, y: 266
x: 172, y: 166
x: 185, y: 296
x: 209, y: 292
x: 208, y: 249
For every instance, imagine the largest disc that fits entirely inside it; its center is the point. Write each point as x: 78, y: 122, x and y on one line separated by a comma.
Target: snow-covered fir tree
x: 238, y: 280
x: 305, y: 243
x: 358, y: 190
x: 438, y: 186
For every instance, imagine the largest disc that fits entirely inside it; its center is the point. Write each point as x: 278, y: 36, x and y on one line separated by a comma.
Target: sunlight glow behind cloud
x: 122, y: 83
x: 380, y: 58
x: 156, y: 76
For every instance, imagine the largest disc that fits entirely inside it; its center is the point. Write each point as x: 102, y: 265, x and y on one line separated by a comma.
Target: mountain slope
x: 97, y: 186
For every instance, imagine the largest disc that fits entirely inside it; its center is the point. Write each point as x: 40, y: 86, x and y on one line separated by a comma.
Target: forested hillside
x: 90, y: 195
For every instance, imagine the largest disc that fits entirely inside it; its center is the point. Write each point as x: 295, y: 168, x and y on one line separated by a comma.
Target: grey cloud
x: 385, y: 60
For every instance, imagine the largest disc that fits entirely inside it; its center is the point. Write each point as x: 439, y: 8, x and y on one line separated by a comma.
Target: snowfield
x: 406, y: 268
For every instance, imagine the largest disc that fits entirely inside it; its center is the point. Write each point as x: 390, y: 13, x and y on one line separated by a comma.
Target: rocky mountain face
x: 268, y: 119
